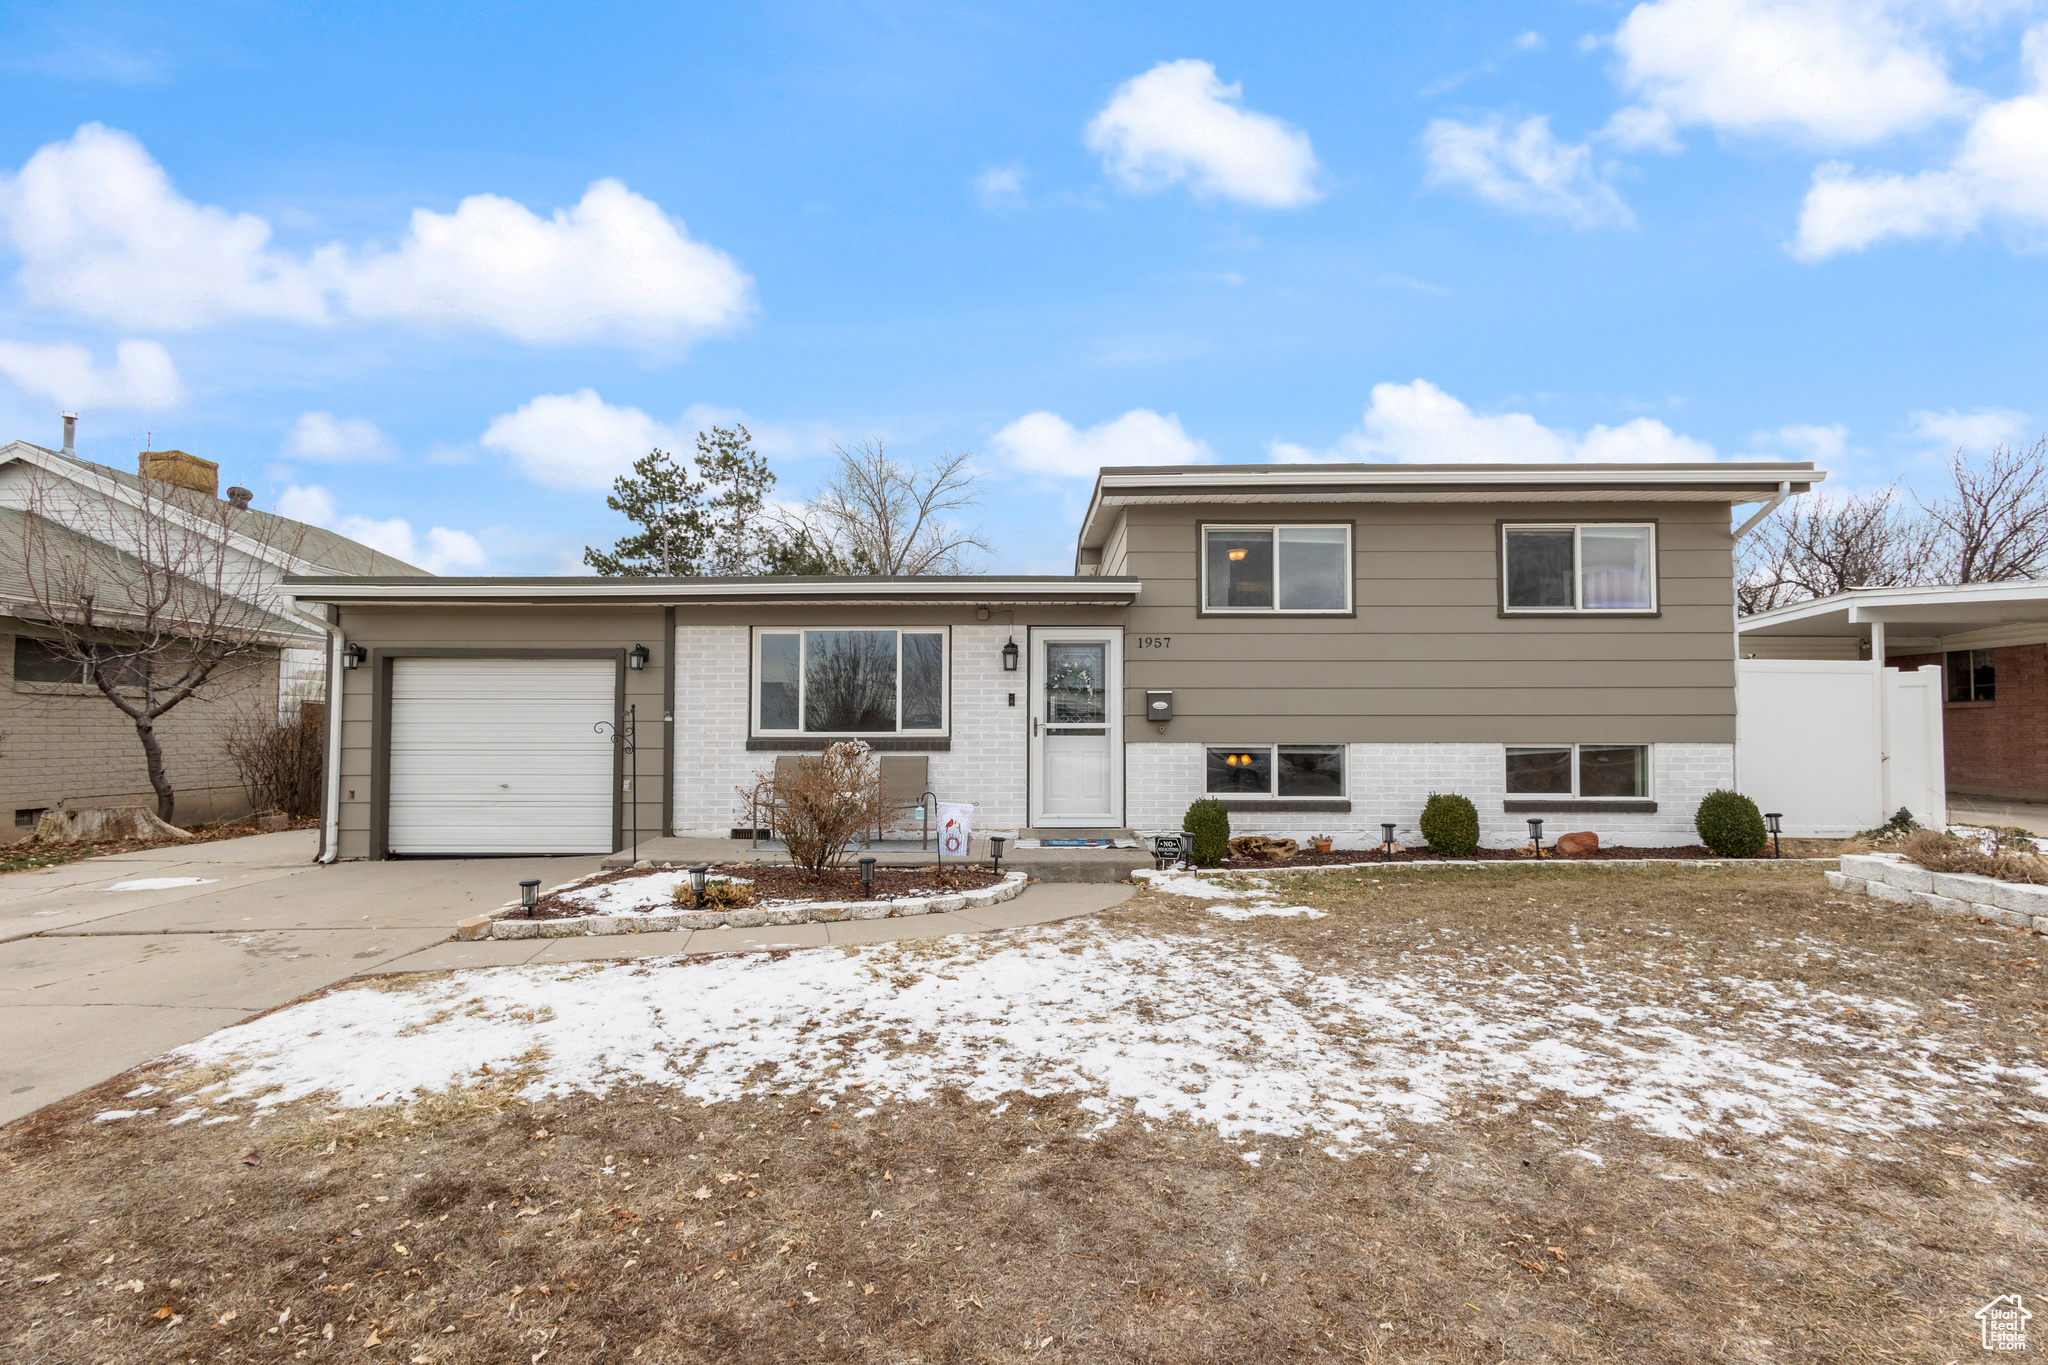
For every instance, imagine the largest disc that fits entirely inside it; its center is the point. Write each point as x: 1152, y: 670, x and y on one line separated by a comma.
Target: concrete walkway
x: 2031, y: 816
x: 108, y: 962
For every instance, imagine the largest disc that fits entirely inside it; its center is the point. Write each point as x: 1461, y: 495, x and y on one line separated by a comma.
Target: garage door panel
x: 501, y: 755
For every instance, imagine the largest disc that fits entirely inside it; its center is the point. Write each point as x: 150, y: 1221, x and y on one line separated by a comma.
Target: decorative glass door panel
x: 1075, y: 724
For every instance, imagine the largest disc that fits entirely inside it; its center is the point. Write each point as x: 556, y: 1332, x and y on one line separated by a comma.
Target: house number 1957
x: 1152, y: 641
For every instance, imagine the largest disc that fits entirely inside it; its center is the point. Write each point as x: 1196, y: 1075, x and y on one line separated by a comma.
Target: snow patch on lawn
x: 1161, y: 1026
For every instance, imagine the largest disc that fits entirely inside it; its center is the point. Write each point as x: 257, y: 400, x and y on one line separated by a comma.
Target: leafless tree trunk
x: 1993, y: 525
x: 146, y: 591
x: 877, y: 516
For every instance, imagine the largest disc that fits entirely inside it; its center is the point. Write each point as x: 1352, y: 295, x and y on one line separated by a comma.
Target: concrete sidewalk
x: 108, y: 962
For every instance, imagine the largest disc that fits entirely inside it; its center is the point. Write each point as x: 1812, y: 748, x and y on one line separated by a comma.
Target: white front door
x: 1077, y: 769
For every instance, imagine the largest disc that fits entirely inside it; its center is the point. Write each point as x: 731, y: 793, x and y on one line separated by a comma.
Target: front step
x: 1103, y: 834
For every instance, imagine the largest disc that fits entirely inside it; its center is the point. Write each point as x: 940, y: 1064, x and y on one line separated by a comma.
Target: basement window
x: 1972, y: 674
x: 26, y: 817
x: 1276, y: 770
x: 1592, y: 772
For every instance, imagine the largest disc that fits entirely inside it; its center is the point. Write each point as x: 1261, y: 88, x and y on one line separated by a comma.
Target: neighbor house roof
x: 931, y: 590
x: 1730, y: 481
x: 295, y: 545
x: 1937, y: 610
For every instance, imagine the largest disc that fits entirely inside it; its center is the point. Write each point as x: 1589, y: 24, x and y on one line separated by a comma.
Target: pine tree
x: 660, y: 499
x: 737, y: 481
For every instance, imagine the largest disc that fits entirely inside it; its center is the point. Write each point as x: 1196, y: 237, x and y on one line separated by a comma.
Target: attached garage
x: 501, y: 755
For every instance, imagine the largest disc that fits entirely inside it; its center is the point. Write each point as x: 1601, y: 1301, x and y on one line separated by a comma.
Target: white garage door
x: 501, y: 755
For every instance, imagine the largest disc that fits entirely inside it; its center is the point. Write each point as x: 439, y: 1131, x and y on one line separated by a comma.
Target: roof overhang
x: 791, y: 591
x: 1728, y: 482
x: 1923, y: 612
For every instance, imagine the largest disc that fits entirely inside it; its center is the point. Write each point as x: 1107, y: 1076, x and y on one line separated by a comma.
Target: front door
x: 1077, y: 769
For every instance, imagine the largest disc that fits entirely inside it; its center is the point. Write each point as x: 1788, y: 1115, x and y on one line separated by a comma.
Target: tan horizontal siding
x: 1451, y: 675
x: 1357, y: 647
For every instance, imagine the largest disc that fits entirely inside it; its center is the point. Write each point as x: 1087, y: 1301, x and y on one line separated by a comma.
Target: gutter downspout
x: 330, y: 816
x: 1784, y: 492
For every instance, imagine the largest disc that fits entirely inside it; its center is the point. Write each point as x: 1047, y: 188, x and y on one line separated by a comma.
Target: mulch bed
x: 779, y: 882
x: 1311, y: 858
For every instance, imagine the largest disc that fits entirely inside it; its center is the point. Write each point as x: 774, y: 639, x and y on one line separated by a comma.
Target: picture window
x: 850, y: 682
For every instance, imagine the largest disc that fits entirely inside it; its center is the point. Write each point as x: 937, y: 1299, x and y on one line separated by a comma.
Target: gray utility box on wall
x: 1158, y: 706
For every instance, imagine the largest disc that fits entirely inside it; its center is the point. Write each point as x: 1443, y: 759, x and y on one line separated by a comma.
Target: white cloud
x: 1524, y: 169
x: 325, y: 438
x: 614, y: 265
x: 1975, y: 431
x: 1179, y: 123
x: 577, y: 440
x: 1046, y: 443
x: 1419, y: 423
x: 440, y: 551
x: 2001, y: 170
x: 1532, y: 41
x: 142, y: 375
x: 100, y: 230
x: 1000, y: 187
x: 1838, y: 72
x: 1808, y: 441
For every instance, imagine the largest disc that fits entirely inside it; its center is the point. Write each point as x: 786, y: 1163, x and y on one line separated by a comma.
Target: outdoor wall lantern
x: 1536, y: 836
x: 867, y: 878
x: 995, y: 851
x: 1010, y: 657
x: 700, y: 876
x: 1771, y: 819
x: 1387, y: 839
x: 529, y: 895
x: 353, y: 656
x: 637, y: 660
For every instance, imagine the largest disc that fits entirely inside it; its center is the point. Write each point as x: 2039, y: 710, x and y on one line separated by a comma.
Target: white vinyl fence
x: 1837, y: 746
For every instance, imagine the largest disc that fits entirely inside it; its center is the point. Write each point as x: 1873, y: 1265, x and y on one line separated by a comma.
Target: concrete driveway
x: 108, y: 962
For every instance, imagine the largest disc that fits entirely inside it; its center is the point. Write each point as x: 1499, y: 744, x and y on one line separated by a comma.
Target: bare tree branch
x: 1821, y: 545
x: 152, y: 592
x: 877, y: 516
x: 1993, y: 525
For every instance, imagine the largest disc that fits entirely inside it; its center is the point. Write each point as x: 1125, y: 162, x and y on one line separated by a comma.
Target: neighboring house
x: 61, y: 741
x: 1990, y: 641
x: 1320, y: 646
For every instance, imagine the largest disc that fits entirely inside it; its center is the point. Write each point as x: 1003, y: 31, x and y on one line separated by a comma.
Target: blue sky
x: 432, y: 274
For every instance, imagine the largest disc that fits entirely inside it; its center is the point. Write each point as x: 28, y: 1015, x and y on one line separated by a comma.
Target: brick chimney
x: 180, y: 470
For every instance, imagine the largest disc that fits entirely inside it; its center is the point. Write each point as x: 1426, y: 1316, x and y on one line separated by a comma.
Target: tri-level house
x: 1320, y: 646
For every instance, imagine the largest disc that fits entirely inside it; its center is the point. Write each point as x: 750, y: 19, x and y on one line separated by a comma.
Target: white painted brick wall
x: 1392, y: 781
x: 985, y: 766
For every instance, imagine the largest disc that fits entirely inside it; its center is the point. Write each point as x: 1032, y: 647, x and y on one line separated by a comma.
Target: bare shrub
x: 819, y: 805
x: 280, y: 761
x: 1938, y: 851
x: 724, y: 894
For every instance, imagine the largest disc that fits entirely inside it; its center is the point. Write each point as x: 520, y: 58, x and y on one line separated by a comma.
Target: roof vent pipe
x: 238, y: 498
x: 71, y: 434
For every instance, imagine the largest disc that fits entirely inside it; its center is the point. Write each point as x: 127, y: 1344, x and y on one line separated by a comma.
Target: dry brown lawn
x: 642, y: 1225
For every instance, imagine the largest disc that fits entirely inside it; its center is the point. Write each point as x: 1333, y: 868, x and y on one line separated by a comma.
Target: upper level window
x: 1972, y: 674
x: 850, y: 682
x: 39, y: 661
x: 1276, y: 568
x: 1599, y: 566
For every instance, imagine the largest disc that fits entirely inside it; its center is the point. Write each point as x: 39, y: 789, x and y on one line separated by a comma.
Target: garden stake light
x: 529, y: 895
x: 700, y: 876
x: 1771, y: 819
x: 1536, y: 836
x: 995, y: 851
x: 1387, y: 840
x: 867, y: 878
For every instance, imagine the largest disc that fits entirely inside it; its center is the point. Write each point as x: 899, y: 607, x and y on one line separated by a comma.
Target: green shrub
x: 1451, y: 825
x: 1730, y: 825
x: 1210, y: 824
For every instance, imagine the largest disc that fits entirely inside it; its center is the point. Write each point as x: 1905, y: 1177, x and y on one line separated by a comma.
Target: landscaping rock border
x: 1890, y: 877
x: 1477, y: 864
x: 500, y: 923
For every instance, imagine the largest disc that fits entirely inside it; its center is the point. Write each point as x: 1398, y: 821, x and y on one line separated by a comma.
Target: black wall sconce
x: 637, y: 659
x: 1010, y: 657
x: 353, y: 656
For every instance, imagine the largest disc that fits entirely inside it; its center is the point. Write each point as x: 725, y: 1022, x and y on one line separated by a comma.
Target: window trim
x: 1500, y: 563
x: 1202, y: 529
x: 879, y: 739
x: 1530, y: 801
x: 1271, y: 796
